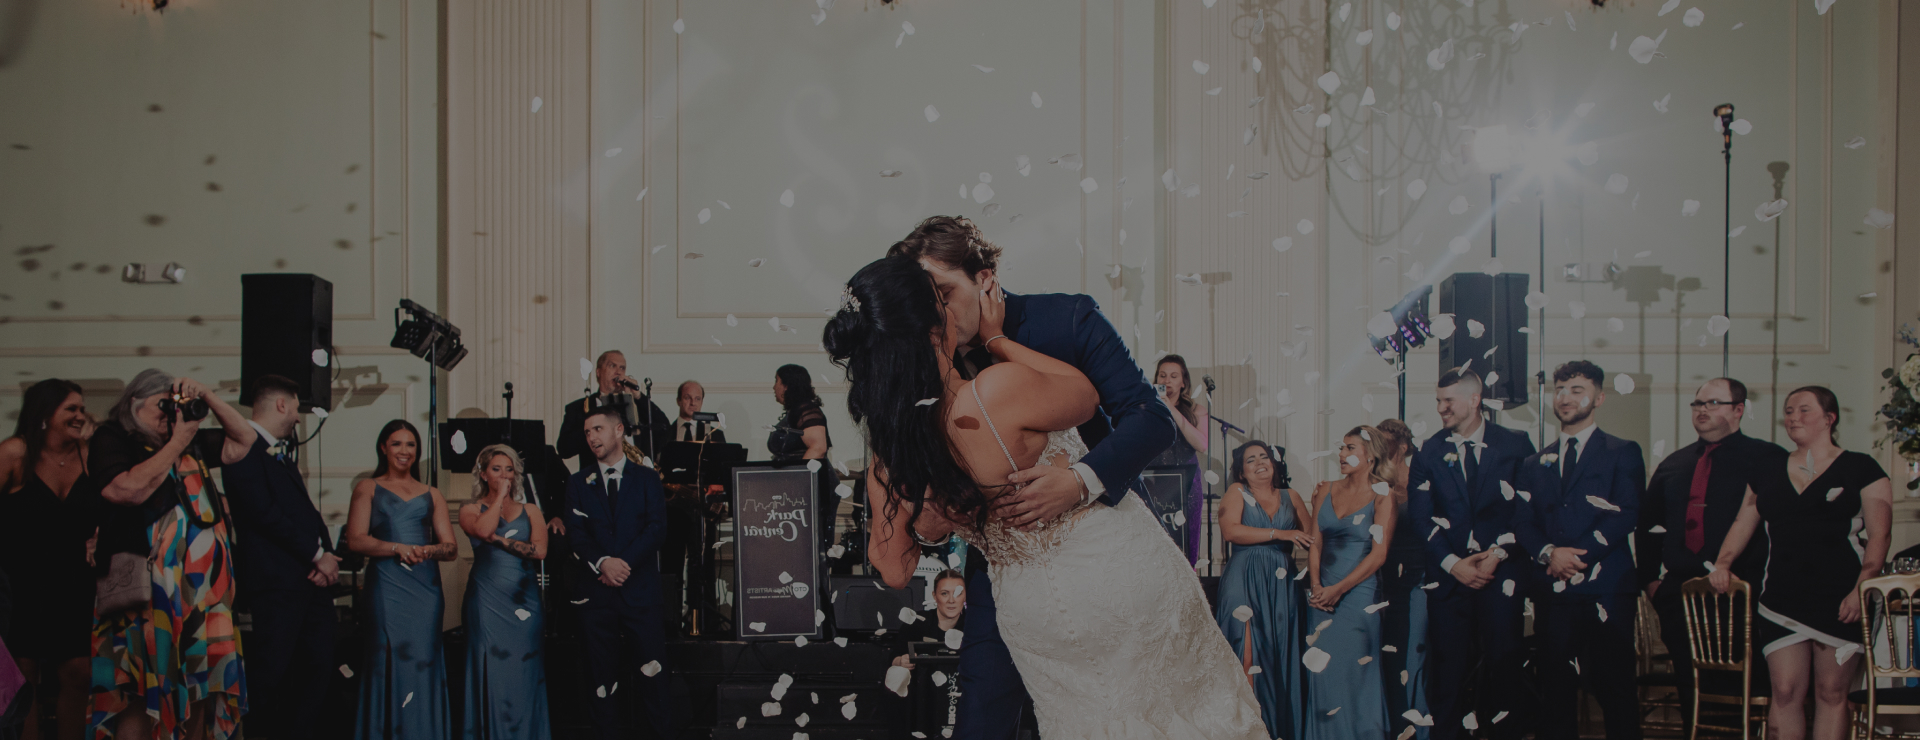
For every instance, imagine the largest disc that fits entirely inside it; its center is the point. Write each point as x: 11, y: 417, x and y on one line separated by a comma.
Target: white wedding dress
x: 1109, y: 628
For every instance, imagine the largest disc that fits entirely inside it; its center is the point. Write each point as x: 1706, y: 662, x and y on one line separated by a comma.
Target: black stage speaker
x: 284, y: 319
x: 1499, y: 303
x: 865, y: 604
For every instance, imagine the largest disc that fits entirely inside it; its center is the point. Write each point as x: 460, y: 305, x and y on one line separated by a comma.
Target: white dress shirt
x: 1468, y: 445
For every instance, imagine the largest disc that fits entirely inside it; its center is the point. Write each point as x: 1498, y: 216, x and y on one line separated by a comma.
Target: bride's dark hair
x: 883, y: 338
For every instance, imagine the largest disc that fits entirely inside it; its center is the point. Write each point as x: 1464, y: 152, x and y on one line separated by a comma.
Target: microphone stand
x: 1207, y: 497
x: 1725, y: 112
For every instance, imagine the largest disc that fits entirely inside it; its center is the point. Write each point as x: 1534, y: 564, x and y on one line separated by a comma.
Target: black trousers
x: 619, y: 671
x: 289, y: 661
x: 1469, y: 630
x: 992, y: 696
x: 1570, y: 630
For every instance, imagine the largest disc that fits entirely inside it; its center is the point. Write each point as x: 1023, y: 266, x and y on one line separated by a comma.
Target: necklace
x: 71, y: 458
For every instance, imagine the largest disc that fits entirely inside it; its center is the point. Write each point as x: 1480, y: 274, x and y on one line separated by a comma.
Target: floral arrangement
x: 1902, y: 410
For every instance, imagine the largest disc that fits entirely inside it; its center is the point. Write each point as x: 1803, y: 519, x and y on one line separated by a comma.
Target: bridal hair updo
x: 883, y: 338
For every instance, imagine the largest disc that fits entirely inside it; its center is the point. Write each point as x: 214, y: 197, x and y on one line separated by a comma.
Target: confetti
x: 1623, y: 383
x: 1878, y: 219
x: 1693, y: 18
x: 933, y: 114
x: 1642, y: 49
x: 536, y: 104
x: 1201, y: 67
x: 1315, y: 659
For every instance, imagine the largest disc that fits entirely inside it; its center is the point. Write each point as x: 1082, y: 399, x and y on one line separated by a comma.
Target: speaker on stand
x: 1498, y: 304
x: 286, y: 328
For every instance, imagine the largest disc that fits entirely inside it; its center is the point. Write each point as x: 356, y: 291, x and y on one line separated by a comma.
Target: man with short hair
x: 1578, y: 502
x: 617, y: 388
x: 1131, y: 427
x: 690, y: 398
x: 1459, y: 489
x: 1689, y: 506
x: 283, y: 563
x: 617, y: 519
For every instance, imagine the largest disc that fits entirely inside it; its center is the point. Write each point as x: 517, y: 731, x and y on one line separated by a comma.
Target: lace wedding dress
x: 1108, y: 625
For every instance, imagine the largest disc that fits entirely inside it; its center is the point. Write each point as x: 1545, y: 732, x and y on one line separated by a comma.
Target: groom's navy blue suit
x: 1132, y: 427
x: 627, y: 521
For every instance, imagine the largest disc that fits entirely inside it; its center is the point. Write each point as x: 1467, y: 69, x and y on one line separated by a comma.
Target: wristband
x: 1086, y: 492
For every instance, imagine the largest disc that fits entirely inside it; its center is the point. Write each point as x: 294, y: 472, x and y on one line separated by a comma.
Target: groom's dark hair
x: 881, y: 337
x: 952, y: 241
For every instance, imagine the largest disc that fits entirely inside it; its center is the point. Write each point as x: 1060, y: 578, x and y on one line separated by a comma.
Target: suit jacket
x: 1477, y: 513
x: 277, y: 528
x: 1735, y: 463
x: 1610, y: 469
x: 1132, y: 426
x: 572, y: 439
x: 630, y: 525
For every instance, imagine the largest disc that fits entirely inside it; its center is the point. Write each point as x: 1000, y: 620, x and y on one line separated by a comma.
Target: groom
x: 1133, y: 427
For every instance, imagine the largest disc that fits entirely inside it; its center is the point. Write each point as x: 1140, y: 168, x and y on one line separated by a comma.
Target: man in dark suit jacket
x: 1579, y: 502
x: 615, y: 388
x: 1690, y: 504
x: 1130, y: 429
x: 616, y: 521
x: 283, y: 562
x: 1460, y: 486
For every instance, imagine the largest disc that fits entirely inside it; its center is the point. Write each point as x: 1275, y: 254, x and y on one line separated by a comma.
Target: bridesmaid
x: 1404, y: 621
x: 401, y: 524
x: 1265, y: 520
x: 506, y: 674
x: 1348, y: 700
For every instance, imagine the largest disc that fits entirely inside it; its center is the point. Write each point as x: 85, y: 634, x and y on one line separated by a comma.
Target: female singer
x: 168, y: 665
x: 401, y: 524
x: 800, y: 435
x: 506, y: 670
x: 1404, y: 621
x: 1176, y: 391
x: 1810, y: 610
x: 44, y: 487
x: 1265, y: 520
x: 1354, y: 529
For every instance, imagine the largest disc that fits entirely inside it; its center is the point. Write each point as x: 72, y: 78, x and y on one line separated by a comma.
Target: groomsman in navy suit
x: 283, y: 562
x: 617, y: 520
x: 1580, y: 502
x: 1460, y: 490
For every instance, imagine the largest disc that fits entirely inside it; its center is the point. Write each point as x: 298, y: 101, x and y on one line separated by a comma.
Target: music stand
x: 700, y: 463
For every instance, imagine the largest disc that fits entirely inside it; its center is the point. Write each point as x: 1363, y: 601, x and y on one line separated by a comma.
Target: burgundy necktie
x: 1697, y: 499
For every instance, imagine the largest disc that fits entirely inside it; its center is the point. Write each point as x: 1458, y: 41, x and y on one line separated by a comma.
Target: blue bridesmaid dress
x: 506, y: 678
x: 1261, y: 577
x: 1347, y: 698
x: 403, y: 684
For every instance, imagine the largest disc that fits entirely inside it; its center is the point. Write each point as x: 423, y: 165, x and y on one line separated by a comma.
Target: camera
x: 1160, y: 389
x: 191, y: 409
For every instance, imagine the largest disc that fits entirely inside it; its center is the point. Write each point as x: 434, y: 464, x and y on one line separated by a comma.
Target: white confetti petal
x: 1643, y: 48
x: 1036, y: 99
x: 1087, y: 185
x: 1315, y: 659
x: 1304, y: 227
x: 1201, y: 67
x: 1693, y: 18
x: 1329, y: 82
x: 1718, y: 325
x: 679, y: 25
x: 933, y: 114
x: 1878, y: 219
x: 536, y: 104
x: 459, y: 442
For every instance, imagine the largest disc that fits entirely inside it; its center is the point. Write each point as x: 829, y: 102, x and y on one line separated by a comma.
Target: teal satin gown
x: 1347, y: 699
x: 1261, y: 577
x: 403, y: 684
x: 506, y: 681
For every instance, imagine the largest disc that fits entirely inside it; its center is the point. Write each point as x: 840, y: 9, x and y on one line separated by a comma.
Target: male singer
x: 284, y: 563
x: 622, y: 391
x: 1577, y: 504
x: 618, y: 518
x: 1455, y: 490
x: 691, y: 397
x: 1690, y: 504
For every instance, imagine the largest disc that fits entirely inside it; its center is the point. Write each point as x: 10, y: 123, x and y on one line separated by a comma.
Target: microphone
x: 509, y: 393
x: 1207, y: 380
x: 1725, y: 112
x: 627, y: 383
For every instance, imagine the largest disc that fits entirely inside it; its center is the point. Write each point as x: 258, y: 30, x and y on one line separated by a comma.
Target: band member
x: 685, y: 429
x: 621, y: 391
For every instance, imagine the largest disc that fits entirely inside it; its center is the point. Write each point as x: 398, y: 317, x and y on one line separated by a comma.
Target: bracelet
x: 988, y: 345
x: 1086, y: 492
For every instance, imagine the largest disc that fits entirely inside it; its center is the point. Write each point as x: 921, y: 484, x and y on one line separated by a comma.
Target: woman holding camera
x: 166, y: 655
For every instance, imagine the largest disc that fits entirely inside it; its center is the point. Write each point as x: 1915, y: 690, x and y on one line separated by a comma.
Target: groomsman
x: 284, y: 563
x: 1459, y: 492
x: 617, y: 520
x: 1690, y: 504
x: 1579, y: 500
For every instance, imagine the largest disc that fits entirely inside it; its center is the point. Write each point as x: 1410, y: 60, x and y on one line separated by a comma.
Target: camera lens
x: 194, y: 410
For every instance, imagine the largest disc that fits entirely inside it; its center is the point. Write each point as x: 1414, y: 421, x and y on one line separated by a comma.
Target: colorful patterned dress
x: 183, y: 648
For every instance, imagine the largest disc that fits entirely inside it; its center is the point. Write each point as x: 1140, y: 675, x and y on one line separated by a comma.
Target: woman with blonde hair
x: 1355, y: 514
x: 506, y: 673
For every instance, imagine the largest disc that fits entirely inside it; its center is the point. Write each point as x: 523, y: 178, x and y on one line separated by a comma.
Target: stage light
x: 1396, y: 332
x: 426, y: 335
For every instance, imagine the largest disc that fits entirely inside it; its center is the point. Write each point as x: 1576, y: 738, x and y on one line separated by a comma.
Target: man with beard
x: 1578, y: 502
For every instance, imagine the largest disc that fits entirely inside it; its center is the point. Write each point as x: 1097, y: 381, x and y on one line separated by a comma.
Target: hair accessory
x: 847, y: 301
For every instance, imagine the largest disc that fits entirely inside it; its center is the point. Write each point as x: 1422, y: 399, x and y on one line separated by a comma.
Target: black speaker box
x: 284, y: 319
x: 1499, y: 303
x: 865, y: 604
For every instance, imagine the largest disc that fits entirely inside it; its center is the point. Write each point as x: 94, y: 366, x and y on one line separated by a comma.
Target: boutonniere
x: 1549, y: 459
x: 1451, y: 458
x: 593, y: 479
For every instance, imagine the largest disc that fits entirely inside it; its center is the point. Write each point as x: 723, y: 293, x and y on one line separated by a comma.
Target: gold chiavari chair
x: 1887, y: 606
x: 1660, y: 713
x: 1720, y: 638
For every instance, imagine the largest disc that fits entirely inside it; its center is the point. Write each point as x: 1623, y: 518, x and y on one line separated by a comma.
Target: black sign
x: 1169, y: 491
x: 776, y: 552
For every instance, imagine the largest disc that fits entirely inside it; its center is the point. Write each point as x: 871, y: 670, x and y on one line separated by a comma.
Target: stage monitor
x: 776, y: 552
x: 1498, y: 303
x: 1168, y: 493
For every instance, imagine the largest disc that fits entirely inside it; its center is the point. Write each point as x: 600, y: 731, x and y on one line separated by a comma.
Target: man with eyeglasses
x: 1689, y: 505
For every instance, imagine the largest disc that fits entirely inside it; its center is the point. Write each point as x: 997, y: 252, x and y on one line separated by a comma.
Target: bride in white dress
x: 1105, y: 620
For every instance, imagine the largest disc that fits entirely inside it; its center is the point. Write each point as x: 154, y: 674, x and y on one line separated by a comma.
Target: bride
x: 1100, y: 610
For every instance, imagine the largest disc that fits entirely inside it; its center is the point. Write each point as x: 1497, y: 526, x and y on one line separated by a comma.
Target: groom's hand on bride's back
x: 1044, y: 492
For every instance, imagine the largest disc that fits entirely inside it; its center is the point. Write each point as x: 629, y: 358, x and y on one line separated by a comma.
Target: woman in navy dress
x: 401, y: 525
x: 1829, y: 515
x: 506, y: 696
x: 1175, y: 384
x: 1261, y: 603
x: 1356, y: 516
x: 1403, y: 652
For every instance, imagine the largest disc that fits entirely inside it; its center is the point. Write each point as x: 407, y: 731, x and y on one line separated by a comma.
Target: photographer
x: 164, y: 622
